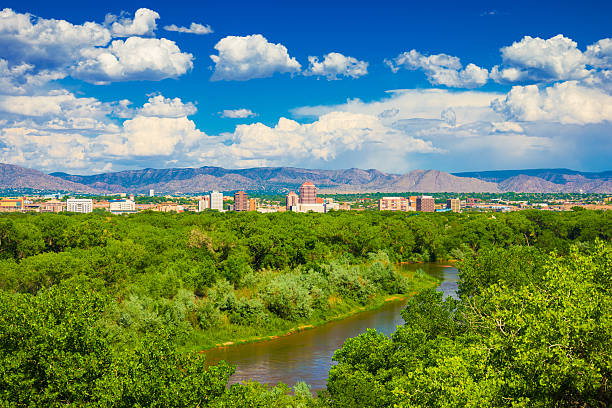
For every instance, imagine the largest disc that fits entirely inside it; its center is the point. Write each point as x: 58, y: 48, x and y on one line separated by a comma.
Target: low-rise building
x: 11, y: 204
x: 394, y: 204
x: 79, y: 205
x: 119, y: 207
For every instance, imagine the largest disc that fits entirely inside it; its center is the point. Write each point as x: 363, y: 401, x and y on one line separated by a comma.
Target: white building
x: 122, y: 206
x: 204, y: 203
x: 79, y: 205
x: 318, y: 208
x: 216, y: 201
x: 151, y: 193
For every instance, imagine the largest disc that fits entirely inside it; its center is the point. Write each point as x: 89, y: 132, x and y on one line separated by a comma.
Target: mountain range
x: 279, y: 179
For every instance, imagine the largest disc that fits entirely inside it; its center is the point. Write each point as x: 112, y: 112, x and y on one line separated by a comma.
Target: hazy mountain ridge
x: 12, y: 176
x: 280, y: 179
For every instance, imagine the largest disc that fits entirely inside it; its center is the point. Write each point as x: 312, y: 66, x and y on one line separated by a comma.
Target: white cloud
x: 600, y: 53
x: 252, y: 56
x: 441, y: 69
x: 506, y: 127
x: 133, y: 59
x: 237, y: 113
x: 194, y: 28
x: 150, y: 136
x: 557, y: 58
x: 46, y: 43
x: 565, y: 102
x: 469, y: 106
x: 167, y: 108
x: 143, y: 23
x: 38, y: 50
x: 335, y: 64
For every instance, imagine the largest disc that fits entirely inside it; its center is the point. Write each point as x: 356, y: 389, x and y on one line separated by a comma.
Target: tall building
x: 203, y: 203
x: 79, y: 205
x: 252, y: 204
x: 394, y: 204
x: 216, y: 201
x: 308, y: 193
x: 241, y: 201
x: 425, y: 204
x: 151, y: 193
x: 453, y: 204
x: 292, y: 199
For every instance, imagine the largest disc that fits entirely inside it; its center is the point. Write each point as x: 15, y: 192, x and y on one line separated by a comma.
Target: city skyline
x: 396, y: 87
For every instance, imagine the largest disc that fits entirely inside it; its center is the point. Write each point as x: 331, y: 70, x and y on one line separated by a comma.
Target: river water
x: 307, y: 355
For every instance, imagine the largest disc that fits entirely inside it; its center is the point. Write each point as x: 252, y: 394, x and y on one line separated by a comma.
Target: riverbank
x: 231, y: 335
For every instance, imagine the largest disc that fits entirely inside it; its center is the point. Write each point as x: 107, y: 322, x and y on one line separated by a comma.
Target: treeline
x: 94, y: 307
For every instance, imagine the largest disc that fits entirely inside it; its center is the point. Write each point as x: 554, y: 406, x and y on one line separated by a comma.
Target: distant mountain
x: 281, y: 179
x: 12, y: 176
x: 546, y: 180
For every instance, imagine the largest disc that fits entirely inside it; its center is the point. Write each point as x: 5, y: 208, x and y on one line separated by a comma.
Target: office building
x: 203, y: 203
x: 453, y: 204
x: 151, y: 193
x: 241, y: 201
x: 252, y: 204
x: 79, y: 205
x: 216, y: 201
x: 292, y: 199
x: 119, y: 207
x: 11, y: 204
x: 395, y: 204
x: 52, y: 206
x: 303, y: 208
x: 308, y: 193
x: 425, y: 204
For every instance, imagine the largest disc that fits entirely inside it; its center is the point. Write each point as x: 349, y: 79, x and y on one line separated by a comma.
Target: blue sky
x: 388, y: 85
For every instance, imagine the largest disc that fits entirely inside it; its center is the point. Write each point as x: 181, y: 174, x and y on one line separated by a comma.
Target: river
x: 307, y: 355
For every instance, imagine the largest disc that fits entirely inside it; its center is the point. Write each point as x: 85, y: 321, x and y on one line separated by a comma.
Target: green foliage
x: 539, y: 338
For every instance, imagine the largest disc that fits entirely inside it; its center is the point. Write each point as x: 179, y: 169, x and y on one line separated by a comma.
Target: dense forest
x: 101, y: 310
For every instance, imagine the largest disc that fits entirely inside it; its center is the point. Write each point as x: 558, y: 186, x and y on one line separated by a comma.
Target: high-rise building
x: 151, y: 193
x: 203, y: 203
x: 241, y: 201
x: 425, y: 204
x: 394, y: 204
x: 216, y: 201
x: 453, y: 204
x: 252, y: 204
x: 308, y: 193
x: 292, y: 199
x: 79, y: 205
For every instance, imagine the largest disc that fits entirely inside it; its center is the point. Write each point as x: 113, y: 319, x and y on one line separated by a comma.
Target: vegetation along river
x: 307, y: 355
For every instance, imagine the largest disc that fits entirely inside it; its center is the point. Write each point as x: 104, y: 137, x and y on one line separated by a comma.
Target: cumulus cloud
x: 565, y: 102
x: 194, y: 28
x: 46, y: 43
x: 252, y: 56
x: 600, y: 54
x: 557, y: 58
x: 324, y: 140
x: 135, y: 58
x: 336, y: 65
x: 237, y: 113
x: 143, y: 23
x: 441, y: 69
x: 167, y: 108
x: 39, y: 50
